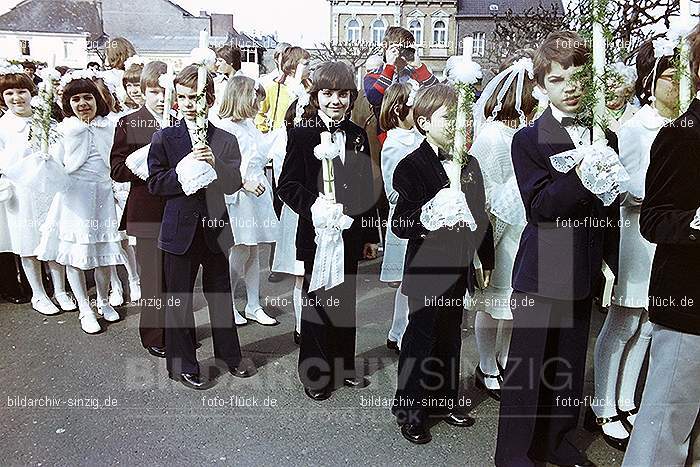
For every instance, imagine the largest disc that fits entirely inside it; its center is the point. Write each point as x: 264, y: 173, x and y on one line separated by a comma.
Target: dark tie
x: 568, y: 121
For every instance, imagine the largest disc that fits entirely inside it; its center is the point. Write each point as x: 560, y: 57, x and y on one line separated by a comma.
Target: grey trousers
x: 667, y: 425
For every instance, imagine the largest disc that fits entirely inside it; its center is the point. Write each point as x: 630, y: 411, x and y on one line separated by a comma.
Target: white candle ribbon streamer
x: 329, y: 264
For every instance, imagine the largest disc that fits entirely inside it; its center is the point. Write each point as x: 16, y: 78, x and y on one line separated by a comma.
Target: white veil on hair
x: 516, y: 71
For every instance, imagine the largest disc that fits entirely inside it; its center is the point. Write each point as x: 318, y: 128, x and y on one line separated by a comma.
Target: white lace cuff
x: 194, y: 175
x: 601, y: 171
x: 137, y: 162
x: 446, y: 209
x: 326, y: 214
x: 695, y: 223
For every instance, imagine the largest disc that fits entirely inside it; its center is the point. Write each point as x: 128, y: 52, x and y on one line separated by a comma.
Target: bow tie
x: 443, y: 155
x: 569, y: 121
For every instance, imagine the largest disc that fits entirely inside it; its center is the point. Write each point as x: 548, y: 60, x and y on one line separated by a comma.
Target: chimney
x: 203, y: 13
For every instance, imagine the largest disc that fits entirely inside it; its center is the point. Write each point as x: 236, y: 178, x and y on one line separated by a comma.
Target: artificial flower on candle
x: 134, y: 60
x: 202, y: 56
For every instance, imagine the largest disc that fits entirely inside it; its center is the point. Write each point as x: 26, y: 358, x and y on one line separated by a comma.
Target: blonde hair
x: 240, y: 99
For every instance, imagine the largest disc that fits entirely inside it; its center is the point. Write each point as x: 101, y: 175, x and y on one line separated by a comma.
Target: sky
x: 302, y: 22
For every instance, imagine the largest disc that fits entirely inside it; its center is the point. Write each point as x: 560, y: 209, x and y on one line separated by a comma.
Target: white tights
x: 33, y: 271
x: 492, y: 341
x: 244, y: 262
x: 76, y: 279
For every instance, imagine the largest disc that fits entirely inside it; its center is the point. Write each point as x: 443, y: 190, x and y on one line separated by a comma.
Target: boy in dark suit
x: 327, y: 347
x: 437, y: 273
x: 144, y: 211
x: 556, y: 267
x: 195, y: 231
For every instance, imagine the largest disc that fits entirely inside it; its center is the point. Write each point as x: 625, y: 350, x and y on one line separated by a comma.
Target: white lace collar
x: 16, y: 123
x: 649, y: 118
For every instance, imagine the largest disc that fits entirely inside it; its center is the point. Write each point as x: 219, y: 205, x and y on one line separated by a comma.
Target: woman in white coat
x: 626, y: 333
x: 396, y: 118
x: 25, y: 210
x: 506, y: 104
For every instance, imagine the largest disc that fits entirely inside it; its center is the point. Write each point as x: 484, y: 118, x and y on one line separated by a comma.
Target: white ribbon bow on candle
x: 329, y: 264
x: 695, y: 223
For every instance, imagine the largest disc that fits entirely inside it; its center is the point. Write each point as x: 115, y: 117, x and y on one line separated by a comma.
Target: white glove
x: 446, y: 209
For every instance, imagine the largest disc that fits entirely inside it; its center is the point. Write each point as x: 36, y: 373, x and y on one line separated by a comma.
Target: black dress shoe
x: 480, y: 376
x: 192, y: 381
x: 275, y: 277
x: 297, y: 338
x: 416, y: 434
x: 393, y: 345
x: 318, y: 394
x: 595, y: 424
x: 460, y: 420
x: 583, y: 463
x: 625, y: 414
x: 240, y: 372
x: 156, y: 351
x: 356, y: 382
x: 17, y: 297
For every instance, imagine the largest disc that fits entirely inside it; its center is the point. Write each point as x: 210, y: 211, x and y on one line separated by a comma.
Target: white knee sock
x: 485, y: 330
x: 76, y: 279
x: 399, y: 320
x: 252, y: 278
x: 102, y: 280
x: 296, y: 298
x: 632, y: 363
x: 619, y: 327
x: 237, y: 257
x: 505, y: 330
x: 58, y: 277
x: 131, y: 265
x: 32, y: 269
x: 114, y: 282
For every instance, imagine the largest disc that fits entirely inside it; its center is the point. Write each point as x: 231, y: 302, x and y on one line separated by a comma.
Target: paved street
x: 111, y: 403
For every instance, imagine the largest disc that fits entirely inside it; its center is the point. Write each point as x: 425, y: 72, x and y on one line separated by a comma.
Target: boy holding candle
x: 195, y: 230
x: 438, y: 268
x: 327, y: 347
x: 568, y: 232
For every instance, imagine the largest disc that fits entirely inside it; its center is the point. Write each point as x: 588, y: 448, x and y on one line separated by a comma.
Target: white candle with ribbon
x: 327, y: 167
x: 685, y: 92
x: 201, y: 121
x: 48, y: 89
x: 454, y: 167
x: 598, y: 72
x: 168, y: 98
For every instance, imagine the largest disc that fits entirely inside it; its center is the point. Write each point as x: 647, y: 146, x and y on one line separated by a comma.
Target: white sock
x: 296, y: 299
x: 76, y: 279
x: 58, y: 277
x: 399, y: 320
x: 632, y: 365
x: 237, y: 257
x: 485, y: 330
x: 620, y: 326
x: 32, y: 269
x: 132, y: 269
x: 114, y: 282
x: 505, y: 331
x: 252, y: 278
x: 102, y: 280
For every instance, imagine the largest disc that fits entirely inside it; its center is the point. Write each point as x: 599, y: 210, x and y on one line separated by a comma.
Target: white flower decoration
x: 134, y: 60
x: 525, y: 64
x: 628, y: 73
x: 202, y: 56
x: 37, y: 102
x: 460, y: 70
x: 49, y: 74
x: 415, y: 86
x: 11, y: 70
x: 663, y: 47
x: 165, y: 80
x: 77, y: 74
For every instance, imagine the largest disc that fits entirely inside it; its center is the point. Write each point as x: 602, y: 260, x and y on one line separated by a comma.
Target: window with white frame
x: 440, y: 32
x: 353, y: 31
x: 417, y: 30
x: 479, y: 44
x: 378, y: 30
x: 249, y: 55
x: 67, y: 49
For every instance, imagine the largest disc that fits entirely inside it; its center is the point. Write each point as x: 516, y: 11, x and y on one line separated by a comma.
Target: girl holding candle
x: 23, y: 213
x: 253, y: 219
x: 327, y: 348
x: 80, y: 230
x: 396, y: 119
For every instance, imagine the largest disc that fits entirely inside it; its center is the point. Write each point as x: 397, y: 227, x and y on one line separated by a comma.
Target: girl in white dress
x: 396, y: 118
x: 81, y: 228
x: 251, y: 214
x: 24, y: 212
x: 626, y: 333
x: 506, y: 104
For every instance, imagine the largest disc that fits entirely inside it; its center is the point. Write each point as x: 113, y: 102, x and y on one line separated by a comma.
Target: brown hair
x: 694, y: 41
x: 528, y: 102
x: 132, y: 76
x: 16, y: 81
x: 188, y: 78
x: 110, y: 99
x: 29, y: 64
x: 231, y: 54
x: 567, y: 48
x: 429, y: 99
x: 646, y: 65
x: 334, y: 76
x: 291, y: 58
x: 118, y: 50
x: 150, y: 74
x: 394, y: 101
x: 80, y: 86
x: 397, y: 34
x: 240, y: 99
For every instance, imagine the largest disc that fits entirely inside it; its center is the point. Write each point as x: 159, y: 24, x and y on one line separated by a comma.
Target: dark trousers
x: 180, y: 274
x: 543, y: 384
x: 428, y: 373
x: 152, y: 306
x: 328, y: 329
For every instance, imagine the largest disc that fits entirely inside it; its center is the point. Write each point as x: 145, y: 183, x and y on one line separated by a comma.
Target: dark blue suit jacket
x: 206, y: 207
x: 568, y: 230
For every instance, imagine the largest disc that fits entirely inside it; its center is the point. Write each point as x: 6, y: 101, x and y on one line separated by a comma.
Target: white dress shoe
x: 109, y: 313
x: 116, y: 297
x: 238, y: 319
x: 44, y: 306
x: 88, y: 321
x: 65, y: 301
x: 134, y: 291
x: 258, y: 315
